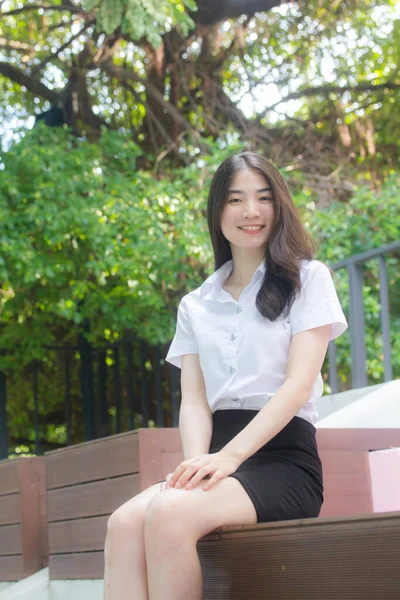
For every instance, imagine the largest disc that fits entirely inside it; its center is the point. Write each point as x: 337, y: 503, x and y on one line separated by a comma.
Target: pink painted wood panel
x: 385, y: 479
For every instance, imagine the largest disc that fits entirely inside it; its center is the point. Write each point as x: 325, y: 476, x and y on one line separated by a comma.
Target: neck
x: 244, y: 267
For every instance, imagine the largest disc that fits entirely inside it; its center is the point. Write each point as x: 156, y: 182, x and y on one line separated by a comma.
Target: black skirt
x: 284, y: 477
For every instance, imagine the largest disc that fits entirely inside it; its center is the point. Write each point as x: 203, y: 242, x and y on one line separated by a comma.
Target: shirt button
x: 232, y: 369
x: 239, y: 309
x: 233, y: 336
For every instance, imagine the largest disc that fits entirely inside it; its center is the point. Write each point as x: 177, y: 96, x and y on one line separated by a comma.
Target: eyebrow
x: 267, y: 189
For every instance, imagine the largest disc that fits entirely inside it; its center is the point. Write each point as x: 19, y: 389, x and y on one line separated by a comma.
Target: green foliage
x: 88, y: 237
x: 147, y: 19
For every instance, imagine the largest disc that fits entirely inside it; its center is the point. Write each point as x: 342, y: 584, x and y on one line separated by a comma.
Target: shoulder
x: 315, y: 277
x: 310, y: 268
x: 190, y: 300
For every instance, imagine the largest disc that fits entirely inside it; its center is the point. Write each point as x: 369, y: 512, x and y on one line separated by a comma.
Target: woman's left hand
x: 216, y: 466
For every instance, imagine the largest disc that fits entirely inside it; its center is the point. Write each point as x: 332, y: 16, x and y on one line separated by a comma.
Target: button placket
x: 233, y: 337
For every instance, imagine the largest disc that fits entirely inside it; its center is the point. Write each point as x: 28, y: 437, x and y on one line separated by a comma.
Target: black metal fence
x: 90, y: 393
x: 355, y: 266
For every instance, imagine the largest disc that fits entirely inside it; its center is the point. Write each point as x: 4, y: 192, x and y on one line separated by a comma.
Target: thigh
x: 200, y: 512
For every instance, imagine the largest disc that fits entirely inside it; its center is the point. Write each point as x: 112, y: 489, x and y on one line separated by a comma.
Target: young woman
x: 250, y: 342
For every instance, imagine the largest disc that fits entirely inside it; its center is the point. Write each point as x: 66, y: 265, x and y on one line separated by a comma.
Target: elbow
x: 301, y: 390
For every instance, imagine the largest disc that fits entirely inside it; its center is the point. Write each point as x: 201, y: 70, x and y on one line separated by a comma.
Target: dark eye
x: 234, y: 200
x: 266, y: 198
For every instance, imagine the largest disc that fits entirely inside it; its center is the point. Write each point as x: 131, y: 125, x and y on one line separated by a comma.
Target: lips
x: 251, y: 227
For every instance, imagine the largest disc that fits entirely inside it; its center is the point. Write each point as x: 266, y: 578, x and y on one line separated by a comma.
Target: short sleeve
x: 318, y: 303
x: 184, y: 341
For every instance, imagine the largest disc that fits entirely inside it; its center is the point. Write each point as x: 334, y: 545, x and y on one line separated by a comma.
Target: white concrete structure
x: 34, y: 587
x: 38, y: 587
x: 373, y: 407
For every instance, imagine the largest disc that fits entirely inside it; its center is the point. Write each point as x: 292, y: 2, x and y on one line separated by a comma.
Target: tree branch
x: 125, y: 76
x: 172, y: 145
x: 33, y: 85
x: 54, y: 55
x: 78, y: 10
x: 210, y: 12
x: 330, y: 89
x: 13, y: 45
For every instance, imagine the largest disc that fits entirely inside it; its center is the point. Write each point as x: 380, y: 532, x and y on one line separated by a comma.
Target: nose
x: 250, y: 210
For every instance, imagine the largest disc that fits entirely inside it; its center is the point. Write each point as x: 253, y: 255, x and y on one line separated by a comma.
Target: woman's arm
x: 306, y: 356
x: 195, y: 416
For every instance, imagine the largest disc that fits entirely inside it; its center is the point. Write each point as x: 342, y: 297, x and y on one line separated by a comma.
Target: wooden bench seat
x: 339, y: 558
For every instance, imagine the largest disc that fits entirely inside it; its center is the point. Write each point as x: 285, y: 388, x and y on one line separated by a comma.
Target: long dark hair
x: 288, y: 243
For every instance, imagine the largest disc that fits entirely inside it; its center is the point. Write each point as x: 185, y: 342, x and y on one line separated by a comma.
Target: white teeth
x: 252, y: 228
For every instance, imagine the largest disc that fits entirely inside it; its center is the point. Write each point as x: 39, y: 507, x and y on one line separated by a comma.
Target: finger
x: 177, y: 473
x: 201, y: 473
x: 186, y: 475
x: 218, y: 475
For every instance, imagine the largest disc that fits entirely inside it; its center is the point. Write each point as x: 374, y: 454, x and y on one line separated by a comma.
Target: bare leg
x: 175, y: 521
x: 125, y: 576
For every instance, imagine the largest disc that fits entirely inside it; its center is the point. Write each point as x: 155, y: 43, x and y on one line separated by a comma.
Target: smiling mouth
x: 252, y: 227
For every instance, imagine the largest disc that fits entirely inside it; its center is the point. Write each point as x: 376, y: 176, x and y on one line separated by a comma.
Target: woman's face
x: 248, y: 213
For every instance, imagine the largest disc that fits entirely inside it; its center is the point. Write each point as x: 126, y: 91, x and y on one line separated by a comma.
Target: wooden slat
x: 11, y: 540
x: 9, y: 476
x: 10, y: 509
x: 11, y: 568
x: 357, y: 439
x: 160, y: 453
x: 91, y: 499
x: 81, y: 535
x: 325, y: 559
x: 87, y: 565
x: 91, y: 461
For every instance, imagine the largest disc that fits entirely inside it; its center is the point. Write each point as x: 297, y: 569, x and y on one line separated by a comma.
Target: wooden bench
x: 87, y: 482
x: 23, y: 523
x: 344, y: 558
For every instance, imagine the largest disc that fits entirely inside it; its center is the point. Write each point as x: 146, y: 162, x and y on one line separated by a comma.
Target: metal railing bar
x: 365, y: 256
x: 357, y: 327
x: 385, y: 319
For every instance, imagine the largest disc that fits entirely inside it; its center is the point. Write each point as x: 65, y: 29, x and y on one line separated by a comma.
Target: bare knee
x: 126, y: 523
x: 168, y: 518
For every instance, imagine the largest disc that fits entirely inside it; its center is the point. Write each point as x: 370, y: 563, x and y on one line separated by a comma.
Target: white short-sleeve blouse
x: 243, y: 355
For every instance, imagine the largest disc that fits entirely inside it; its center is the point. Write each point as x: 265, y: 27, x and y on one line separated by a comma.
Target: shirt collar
x: 213, y: 284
